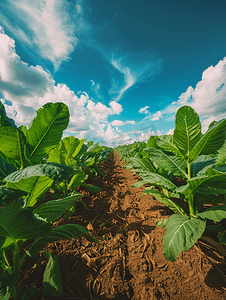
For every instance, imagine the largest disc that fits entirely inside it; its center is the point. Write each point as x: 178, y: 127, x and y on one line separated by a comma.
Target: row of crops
x: 185, y: 171
x: 37, y: 164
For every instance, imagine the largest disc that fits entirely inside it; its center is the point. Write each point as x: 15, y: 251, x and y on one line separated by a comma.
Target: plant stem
x: 191, y: 196
x: 191, y: 204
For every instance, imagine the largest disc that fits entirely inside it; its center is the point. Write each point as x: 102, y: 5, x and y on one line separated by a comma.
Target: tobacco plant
x: 27, y: 173
x: 198, y: 162
x: 19, y: 224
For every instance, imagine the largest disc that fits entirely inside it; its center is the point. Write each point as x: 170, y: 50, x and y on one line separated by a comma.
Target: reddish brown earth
x: 128, y: 261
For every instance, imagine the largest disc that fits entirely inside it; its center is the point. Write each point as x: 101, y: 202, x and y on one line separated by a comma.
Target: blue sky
x: 123, y: 67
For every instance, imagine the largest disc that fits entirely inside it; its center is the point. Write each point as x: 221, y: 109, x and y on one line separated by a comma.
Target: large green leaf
x: 166, y: 143
x: 13, y: 146
x: 5, y: 169
x: 35, y: 186
x: 53, y: 170
x: 198, y: 167
x: 17, y: 223
x: 156, y: 179
x: 169, y: 163
x: 77, y: 179
x: 7, y: 195
x: 52, y: 282
x: 46, y: 130
x: 221, y: 156
x: 134, y: 162
x: 54, y: 209
x: 175, y: 207
x: 208, y: 197
x: 215, y: 213
x: 64, y: 152
x: 148, y: 164
x: 210, y: 142
x: 152, y: 142
x: 181, y: 234
x: 187, y: 131
x: 213, y: 179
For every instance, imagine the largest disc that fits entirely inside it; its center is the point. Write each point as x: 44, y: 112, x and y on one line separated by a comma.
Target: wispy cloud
x: 50, y: 27
x: 135, y: 68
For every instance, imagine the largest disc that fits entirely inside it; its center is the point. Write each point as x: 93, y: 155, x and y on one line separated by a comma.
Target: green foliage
x: 24, y: 147
x: 52, y: 282
x: 33, y: 162
x: 190, y: 171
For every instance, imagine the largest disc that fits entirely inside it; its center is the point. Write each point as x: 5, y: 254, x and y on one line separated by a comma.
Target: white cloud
x: 116, y: 107
x: 121, y: 123
x: 208, y: 97
x: 157, y: 116
x: 170, y: 131
x: 26, y: 88
x: 144, y: 110
x: 50, y: 27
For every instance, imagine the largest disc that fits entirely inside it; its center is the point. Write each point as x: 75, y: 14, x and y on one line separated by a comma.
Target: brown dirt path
x: 128, y: 261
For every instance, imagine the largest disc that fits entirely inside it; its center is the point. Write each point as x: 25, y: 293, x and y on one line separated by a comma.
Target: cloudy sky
x: 123, y: 67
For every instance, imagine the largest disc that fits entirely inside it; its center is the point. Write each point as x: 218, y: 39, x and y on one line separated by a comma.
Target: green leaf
x: 187, y: 131
x: 5, y: 169
x: 213, y: 178
x: 157, y: 180
x: 54, y: 209
x: 35, y: 186
x: 221, y: 156
x: 77, y: 179
x: 91, y: 188
x: 13, y: 147
x: 30, y: 293
x: 166, y: 143
x: 181, y: 234
x: 136, y: 163
x: 99, y: 171
x: 8, y: 280
x: 64, y: 152
x: 139, y: 183
x: 161, y: 223
x: 46, y: 129
x: 177, y: 208
x: 52, y: 282
x: 17, y: 223
x: 215, y: 213
x: 222, y: 237
x: 199, y: 166
x: 215, y: 228
x: 7, y: 195
x: 152, y: 142
x: 67, y: 231
x: 169, y: 163
x: 205, y: 198
x: 53, y: 170
x: 148, y: 164
x: 210, y: 142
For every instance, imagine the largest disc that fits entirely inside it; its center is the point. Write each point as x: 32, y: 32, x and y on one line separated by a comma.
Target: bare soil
x: 128, y: 261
